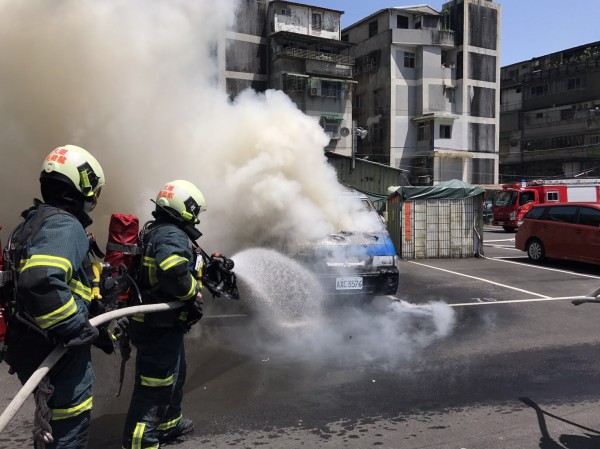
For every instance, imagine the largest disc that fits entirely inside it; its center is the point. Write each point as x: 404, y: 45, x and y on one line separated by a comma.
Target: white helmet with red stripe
x: 183, y: 198
x: 77, y: 167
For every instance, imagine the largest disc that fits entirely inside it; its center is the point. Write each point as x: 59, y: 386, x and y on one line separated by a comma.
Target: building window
x: 595, y: 140
x: 331, y: 89
x: 418, y: 25
x: 567, y: 114
x: 450, y: 96
x: 423, y: 131
x: 574, y: 83
x: 286, y: 12
x: 409, y: 60
x: 377, y: 133
x: 373, y: 28
x: 402, y: 22
x: 445, y: 131
x: 316, y: 21
x: 358, y: 101
x: 345, y: 38
x: 331, y: 126
x: 538, y: 91
x: 552, y: 196
x: 370, y: 62
x: 377, y: 101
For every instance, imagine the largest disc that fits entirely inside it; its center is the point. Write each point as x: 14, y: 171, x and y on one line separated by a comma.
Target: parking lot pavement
x: 503, y: 274
x: 507, y: 309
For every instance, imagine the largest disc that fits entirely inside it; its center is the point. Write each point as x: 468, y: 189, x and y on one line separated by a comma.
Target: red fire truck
x: 514, y: 200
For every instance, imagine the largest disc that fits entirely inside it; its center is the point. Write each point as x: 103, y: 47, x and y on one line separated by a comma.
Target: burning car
x: 350, y: 262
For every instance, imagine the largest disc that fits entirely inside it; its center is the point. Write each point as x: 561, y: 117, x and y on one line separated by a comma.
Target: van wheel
x: 535, y: 250
x: 509, y: 229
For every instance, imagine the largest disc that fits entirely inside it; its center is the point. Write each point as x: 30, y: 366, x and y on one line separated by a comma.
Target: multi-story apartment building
x: 295, y: 48
x: 550, y: 116
x: 428, y: 89
x: 242, y: 52
x: 305, y: 62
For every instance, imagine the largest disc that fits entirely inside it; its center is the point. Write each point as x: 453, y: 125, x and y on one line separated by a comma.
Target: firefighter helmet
x: 77, y: 167
x: 183, y: 198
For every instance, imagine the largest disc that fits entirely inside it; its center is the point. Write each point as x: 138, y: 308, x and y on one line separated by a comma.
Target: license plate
x: 349, y: 283
x: 500, y: 223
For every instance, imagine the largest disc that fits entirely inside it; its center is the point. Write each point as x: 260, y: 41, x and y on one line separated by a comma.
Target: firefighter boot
x: 183, y: 427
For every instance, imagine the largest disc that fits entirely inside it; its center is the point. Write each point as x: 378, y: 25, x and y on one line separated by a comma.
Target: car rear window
x: 589, y: 216
x: 563, y: 214
x: 535, y: 213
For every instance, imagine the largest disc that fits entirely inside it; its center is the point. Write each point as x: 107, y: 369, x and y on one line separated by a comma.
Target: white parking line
x: 480, y: 279
x: 501, y: 259
x: 512, y: 248
x: 502, y: 240
x: 510, y: 301
x: 489, y: 303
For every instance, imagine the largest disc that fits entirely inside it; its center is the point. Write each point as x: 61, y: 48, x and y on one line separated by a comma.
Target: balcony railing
x: 315, y: 55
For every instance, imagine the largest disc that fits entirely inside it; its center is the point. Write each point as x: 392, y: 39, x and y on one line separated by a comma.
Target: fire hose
x: 592, y: 297
x: 60, y: 350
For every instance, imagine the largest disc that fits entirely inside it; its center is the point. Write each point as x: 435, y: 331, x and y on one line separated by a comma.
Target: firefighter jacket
x: 53, y: 287
x: 167, y: 267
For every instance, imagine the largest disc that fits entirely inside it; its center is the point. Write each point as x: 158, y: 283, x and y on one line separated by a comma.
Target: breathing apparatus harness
x: 119, y: 286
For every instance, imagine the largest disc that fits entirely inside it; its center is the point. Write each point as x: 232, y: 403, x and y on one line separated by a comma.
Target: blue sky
x: 530, y: 28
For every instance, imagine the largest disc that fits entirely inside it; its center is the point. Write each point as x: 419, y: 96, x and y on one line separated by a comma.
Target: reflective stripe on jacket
x: 53, y: 286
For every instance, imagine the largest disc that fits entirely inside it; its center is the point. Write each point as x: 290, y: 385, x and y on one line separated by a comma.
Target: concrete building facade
x: 305, y: 62
x: 295, y: 48
x: 242, y: 52
x: 428, y: 90
x: 550, y: 116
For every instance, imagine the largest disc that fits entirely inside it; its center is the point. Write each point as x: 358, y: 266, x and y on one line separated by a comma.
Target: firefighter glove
x: 193, y: 313
x: 85, y: 336
x: 105, y: 340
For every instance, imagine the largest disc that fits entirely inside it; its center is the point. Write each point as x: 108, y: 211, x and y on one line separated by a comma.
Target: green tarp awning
x: 448, y: 189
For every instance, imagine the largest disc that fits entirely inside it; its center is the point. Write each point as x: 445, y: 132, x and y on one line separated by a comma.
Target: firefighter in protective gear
x: 155, y: 415
x: 53, y: 294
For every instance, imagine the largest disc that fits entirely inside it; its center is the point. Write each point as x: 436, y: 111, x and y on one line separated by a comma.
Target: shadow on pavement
x: 565, y: 441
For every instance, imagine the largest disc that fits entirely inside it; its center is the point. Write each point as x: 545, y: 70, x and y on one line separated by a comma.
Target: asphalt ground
x: 482, y: 353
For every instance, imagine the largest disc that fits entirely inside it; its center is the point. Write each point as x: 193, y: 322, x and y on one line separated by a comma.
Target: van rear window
x: 589, y: 216
x: 563, y: 214
x: 535, y: 213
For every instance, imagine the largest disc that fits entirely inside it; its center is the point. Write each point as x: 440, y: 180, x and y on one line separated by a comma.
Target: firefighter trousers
x: 71, y: 377
x: 160, y: 370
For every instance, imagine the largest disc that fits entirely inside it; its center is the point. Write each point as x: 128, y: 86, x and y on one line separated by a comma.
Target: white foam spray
x: 288, y: 303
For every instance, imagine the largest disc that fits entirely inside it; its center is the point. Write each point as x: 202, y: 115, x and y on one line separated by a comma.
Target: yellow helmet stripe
x: 58, y: 315
x: 44, y: 260
x: 170, y: 262
x: 64, y: 413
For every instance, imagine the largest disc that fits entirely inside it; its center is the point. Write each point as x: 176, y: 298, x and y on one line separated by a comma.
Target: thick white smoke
x: 135, y: 83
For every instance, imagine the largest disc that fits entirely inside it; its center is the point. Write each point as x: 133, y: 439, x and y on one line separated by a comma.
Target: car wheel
x: 535, y: 250
x: 509, y: 229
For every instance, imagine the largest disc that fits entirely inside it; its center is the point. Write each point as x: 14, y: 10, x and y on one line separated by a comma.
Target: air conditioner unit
x: 314, y: 91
